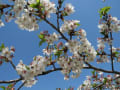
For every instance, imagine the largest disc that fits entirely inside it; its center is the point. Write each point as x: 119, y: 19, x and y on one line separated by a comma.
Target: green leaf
x: 77, y: 24
x: 58, y: 53
x: 34, y: 5
x: 3, y: 87
x: 64, y: 14
x: 41, y: 36
x: 41, y: 42
x: 2, y: 46
x: 103, y: 11
x: 93, y: 72
x: 116, y: 54
x: 105, y: 80
x: 55, y: 46
x: 38, y: 1
x: 94, y: 85
x: 27, y: 68
x: 103, y: 33
x: 10, y: 85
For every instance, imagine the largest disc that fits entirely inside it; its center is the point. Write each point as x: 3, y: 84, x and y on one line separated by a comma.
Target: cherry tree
x: 68, y: 46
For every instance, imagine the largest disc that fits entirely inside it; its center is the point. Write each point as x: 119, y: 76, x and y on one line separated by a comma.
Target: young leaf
x: 41, y: 42
x: 3, y: 87
x: 41, y: 36
x: 1, y: 47
x: 34, y: 5
x: 38, y: 1
x: 58, y: 53
x: 27, y: 68
x: 104, y: 11
x: 105, y: 80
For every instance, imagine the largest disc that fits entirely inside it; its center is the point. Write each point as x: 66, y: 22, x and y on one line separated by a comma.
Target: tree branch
x: 49, y: 71
x: 111, y: 52
x: 99, y: 69
x: 11, y: 81
x: 55, y: 29
x: 12, y: 64
x: 21, y: 85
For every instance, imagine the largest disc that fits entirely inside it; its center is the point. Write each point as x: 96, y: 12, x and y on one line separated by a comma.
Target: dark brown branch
x: 21, y: 85
x: 12, y: 65
x: 111, y: 52
x: 11, y: 81
x: 49, y: 71
x: 55, y: 29
x: 2, y: 6
x: 99, y: 69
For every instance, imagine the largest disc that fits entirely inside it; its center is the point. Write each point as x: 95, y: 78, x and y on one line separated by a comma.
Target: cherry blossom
x: 28, y: 22
x: 1, y: 23
x: 69, y: 9
x: 69, y: 25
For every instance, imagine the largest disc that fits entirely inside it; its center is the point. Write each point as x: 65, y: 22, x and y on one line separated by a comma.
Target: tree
x: 67, y: 49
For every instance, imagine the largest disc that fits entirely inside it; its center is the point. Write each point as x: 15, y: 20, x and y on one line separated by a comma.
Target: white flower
x: 1, y: 23
x: 114, y: 19
x: 30, y: 71
x: 27, y: 22
x: 82, y: 32
x: 7, y: 53
x: 72, y: 45
x: 66, y: 77
x: 101, y: 44
x: 115, y: 27
x: 114, y: 49
x: 51, y: 38
x: 100, y: 73
x: 73, y: 64
x: 30, y: 82
x: 69, y: 9
x: 103, y: 26
x: 47, y: 51
x: 18, y: 7
x: 69, y: 25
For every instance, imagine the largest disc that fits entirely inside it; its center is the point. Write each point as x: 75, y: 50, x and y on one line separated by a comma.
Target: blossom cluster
x: 82, y: 46
x: 114, y: 25
x: 69, y: 25
x: 107, y: 26
x: 28, y: 72
x: 27, y: 21
x: 19, y: 7
x: 51, y: 38
x: 106, y: 82
x: 69, y: 64
x: 69, y: 9
x: 48, y: 7
x: 6, y: 54
x: 76, y: 62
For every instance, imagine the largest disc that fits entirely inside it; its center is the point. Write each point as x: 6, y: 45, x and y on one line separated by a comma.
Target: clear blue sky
x: 26, y: 43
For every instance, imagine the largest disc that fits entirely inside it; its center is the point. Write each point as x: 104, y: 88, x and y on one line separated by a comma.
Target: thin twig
x: 11, y: 81
x: 21, y: 85
x: 12, y: 65
x: 49, y: 71
x: 111, y: 52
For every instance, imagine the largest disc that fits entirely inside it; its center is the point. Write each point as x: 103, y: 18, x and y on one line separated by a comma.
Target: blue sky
x: 26, y: 43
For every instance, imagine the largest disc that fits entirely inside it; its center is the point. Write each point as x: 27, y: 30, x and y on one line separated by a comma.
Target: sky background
x: 27, y: 43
